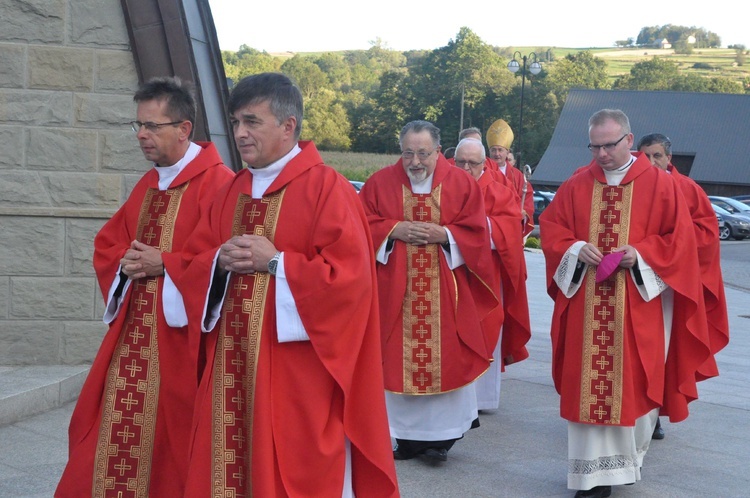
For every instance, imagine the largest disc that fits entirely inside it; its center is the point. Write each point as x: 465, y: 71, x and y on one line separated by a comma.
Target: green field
x: 357, y: 165
x: 722, y: 61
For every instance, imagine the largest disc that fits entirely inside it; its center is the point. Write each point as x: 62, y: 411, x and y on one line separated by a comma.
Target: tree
x: 579, y: 70
x: 336, y: 69
x: 652, y: 35
x: 625, y: 43
x: 453, y: 80
x: 247, y: 61
x: 377, y: 121
x: 653, y: 74
x: 326, y: 122
x: 741, y: 54
x: 306, y: 75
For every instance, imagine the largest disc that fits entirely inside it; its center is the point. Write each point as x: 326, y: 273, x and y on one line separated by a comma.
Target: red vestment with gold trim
x: 271, y: 418
x: 608, y: 343
x: 129, y: 430
x: 431, y: 316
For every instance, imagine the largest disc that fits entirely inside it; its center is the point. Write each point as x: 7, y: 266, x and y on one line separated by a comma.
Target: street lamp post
x: 534, y: 68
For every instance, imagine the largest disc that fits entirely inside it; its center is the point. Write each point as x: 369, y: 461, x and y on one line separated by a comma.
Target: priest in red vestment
x: 629, y: 332
x: 499, y: 140
x: 286, y: 322
x: 436, y: 286
x: 129, y: 430
x: 508, y: 255
x: 658, y: 149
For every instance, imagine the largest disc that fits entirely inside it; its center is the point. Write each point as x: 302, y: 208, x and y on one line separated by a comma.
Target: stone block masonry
x: 68, y: 160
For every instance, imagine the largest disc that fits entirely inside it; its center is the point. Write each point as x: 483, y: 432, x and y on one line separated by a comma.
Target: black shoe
x: 595, y: 492
x: 402, y: 455
x: 436, y: 454
x: 658, y: 431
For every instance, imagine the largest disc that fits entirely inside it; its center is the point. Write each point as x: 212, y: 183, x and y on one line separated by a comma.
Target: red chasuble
x: 500, y: 204
x: 431, y: 316
x: 271, y: 418
x: 707, y: 238
x: 129, y: 430
x: 516, y: 179
x: 608, y: 343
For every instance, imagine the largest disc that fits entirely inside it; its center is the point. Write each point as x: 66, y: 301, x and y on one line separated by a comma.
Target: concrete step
x: 28, y: 390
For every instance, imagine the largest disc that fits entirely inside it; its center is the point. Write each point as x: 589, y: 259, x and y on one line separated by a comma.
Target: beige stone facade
x: 68, y: 160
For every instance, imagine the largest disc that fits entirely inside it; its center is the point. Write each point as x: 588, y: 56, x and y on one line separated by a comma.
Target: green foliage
x: 653, y: 35
x: 533, y: 243
x: 654, y: 74
x: 247, y: 61
x: 358, y: 100
x: 326, y: 122
x: 581, y: 70
x: 741, y: 54
x: 662, y: 74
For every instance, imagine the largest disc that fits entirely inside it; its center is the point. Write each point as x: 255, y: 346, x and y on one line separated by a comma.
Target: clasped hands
x: 418, y: 233
x: 591, y: 255
x: 246, y: 254
x: 142, y: 260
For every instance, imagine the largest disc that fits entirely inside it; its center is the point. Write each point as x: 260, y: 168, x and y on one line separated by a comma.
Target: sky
x: 334, y: 25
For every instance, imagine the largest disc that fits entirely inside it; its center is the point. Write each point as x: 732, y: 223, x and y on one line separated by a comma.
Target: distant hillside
x: 704, y: 62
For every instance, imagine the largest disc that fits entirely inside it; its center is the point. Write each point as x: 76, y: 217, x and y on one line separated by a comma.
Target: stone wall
x: 68, y: 160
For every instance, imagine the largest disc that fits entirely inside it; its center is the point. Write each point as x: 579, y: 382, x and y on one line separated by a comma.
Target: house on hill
x: 708, y: 132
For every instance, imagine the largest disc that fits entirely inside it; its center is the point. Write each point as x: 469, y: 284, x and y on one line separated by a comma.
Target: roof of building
x: 712, y: 127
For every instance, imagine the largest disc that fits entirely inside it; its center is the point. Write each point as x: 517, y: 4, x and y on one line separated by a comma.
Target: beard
x: 417, y: 176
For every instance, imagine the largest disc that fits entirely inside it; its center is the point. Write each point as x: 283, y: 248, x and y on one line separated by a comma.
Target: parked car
x: 730, y: 204
x: 745, y: 199
x: 357, y: 185
x: 542, y: 198
x: 735, y: 226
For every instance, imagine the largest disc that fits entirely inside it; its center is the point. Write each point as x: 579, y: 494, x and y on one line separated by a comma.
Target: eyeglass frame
x: 150, y: 126
x: 472, y: 164
x: 422, y: 155
x: 607, y: 147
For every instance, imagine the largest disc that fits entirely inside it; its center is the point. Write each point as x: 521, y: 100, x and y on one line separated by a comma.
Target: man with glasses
x: 474, y: 132
x: 436, y: 286
x: 629, y: 330
x: 130, y: 429
x: 504, y: 223
x: 658, y: 149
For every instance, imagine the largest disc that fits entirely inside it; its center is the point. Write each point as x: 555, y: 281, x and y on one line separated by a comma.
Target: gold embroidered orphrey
x: 122, y: 465
x: 421, y: 308
x: 604, y: 320
x: 236, y: 357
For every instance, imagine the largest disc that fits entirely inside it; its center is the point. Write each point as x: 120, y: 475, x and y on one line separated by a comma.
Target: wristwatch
x: 274, y: 263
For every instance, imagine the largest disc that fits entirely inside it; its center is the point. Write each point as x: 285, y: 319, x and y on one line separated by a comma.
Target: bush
x: 702, y: 65
x: 533, y: 243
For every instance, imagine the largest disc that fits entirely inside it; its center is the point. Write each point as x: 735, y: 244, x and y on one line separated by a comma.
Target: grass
x: 357, y: 165
x: 620, y: 60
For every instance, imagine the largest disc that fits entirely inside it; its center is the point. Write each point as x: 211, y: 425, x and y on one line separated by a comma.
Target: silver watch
x: 274, y: 263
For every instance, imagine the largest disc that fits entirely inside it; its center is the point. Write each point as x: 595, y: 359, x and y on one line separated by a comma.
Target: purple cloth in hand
x: 608, y: 266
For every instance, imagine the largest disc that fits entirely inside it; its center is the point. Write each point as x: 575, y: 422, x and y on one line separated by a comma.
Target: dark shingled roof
x: 712, y: 127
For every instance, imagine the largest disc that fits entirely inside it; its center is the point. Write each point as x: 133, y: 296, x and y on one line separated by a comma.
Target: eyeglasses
x: 151, y: 127
x: 471, y: 164
x: 422, y: 155
x: 607, y: 147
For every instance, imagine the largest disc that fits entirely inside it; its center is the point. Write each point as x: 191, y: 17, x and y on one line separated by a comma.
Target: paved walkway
x: 519, y: 450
